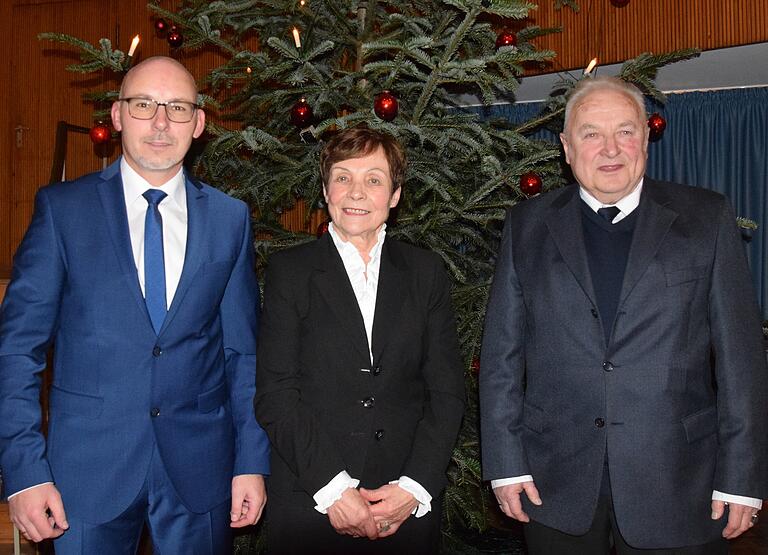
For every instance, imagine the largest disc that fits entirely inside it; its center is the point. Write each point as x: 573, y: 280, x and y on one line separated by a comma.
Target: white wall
x: 724, y: 68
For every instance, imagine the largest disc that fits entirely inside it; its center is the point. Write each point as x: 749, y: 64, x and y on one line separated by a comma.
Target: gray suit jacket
x: 676, y: 396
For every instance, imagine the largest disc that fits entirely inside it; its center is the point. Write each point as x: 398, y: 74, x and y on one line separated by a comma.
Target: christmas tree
x: 297, y: 70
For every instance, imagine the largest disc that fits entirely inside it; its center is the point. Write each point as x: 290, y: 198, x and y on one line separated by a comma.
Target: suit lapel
x: 113, y: 202
x: 332, y: 281
x: 653, y: 222
x: 197, y: 237
x: 566, y: 228
x: 389, y: 298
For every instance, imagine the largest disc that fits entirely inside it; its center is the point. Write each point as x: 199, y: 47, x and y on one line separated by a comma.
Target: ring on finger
x: 385, y: 526
x: 753, y: 518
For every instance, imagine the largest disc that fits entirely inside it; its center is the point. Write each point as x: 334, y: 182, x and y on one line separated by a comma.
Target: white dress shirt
x: 365, y: 283
x: 173, y: 210
x: 626, y: 206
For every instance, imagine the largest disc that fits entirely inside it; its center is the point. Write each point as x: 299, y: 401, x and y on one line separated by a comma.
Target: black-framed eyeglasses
x: 178, y: 111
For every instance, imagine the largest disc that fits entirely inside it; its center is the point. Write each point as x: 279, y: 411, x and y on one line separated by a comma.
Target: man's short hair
x: 589, y: 85
x: 357, y: 142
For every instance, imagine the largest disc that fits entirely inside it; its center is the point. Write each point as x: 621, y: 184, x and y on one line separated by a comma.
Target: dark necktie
x: 609, y: 213
x: 154, y: 264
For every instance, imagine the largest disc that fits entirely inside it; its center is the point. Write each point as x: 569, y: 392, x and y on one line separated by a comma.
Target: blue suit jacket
x: 75, y: 283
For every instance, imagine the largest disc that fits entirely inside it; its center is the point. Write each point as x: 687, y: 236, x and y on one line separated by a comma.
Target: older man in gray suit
x: 623, y: 383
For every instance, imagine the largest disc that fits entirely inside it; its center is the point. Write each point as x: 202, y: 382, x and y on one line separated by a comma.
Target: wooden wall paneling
x: 647, y: 26
x: 713, y: 25
x: 38, y: 68
x: 6, y: 138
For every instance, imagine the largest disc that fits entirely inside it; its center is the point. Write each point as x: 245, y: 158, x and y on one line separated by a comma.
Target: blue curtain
x: 717, y: 140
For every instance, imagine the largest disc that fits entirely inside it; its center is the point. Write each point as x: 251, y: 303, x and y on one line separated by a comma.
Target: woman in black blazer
x: 360, y: 384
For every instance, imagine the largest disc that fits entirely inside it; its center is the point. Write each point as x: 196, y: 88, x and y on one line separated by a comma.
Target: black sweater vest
x: 607, y: 247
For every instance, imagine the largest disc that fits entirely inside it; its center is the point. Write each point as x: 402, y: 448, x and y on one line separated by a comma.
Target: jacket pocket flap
x: 78, y: 404
x: 213, y: 398
x: 700, y: 424
x: 676, y: 277
x: 533, y: 418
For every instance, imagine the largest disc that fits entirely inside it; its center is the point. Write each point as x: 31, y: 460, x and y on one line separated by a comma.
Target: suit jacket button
x: 594, y: 313
x: 608, y: 366
x: 368, y: 402
x: 377, y: 370
x: 379, y: 435
x: 154, y: 412
x: 599, y: 422
x: 157, y: 351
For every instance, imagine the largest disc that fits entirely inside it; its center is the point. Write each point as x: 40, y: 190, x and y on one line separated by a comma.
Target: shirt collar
x: 626, y: 205
x: 347, y: 249
x: 134, y: 186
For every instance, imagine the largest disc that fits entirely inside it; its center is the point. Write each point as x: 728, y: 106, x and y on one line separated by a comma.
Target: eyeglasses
x: 177, y: 111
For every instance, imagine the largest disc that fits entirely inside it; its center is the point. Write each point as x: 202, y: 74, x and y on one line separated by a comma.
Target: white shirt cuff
x: 509, y: 481
x: 739, y: 499
x: 27, y: 489
x: 419, y: 493
x: 332, y: 491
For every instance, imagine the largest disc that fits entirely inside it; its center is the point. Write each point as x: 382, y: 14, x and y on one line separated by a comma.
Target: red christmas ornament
x: 530, y: 184
x: 100, y: 134
x: 385, y: 105
x: 619, y: 3
x: 160, y: 27
x: 322, y: 229
x: 301, y: 114
x: 506, y: 38
x: 475, y: 365
x: 657, y: 125
x: 175, y: 38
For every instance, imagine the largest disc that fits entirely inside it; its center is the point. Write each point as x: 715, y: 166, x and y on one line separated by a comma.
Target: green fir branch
x: 93, y: 59
x: 643, y: 69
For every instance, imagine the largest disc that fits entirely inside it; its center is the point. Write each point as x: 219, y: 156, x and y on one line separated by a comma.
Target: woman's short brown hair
x: 357, y: 142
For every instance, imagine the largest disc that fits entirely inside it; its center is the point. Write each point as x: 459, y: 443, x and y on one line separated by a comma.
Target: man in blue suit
x: 143, y: 279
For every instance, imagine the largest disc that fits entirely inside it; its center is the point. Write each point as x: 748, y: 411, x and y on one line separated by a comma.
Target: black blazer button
x: 154, y: 412
x: 377, y: 370
x: 379, y: 435
x: 157, y: 351
x: 594, y: 313
x: 608, y: 366
x: 368, y: 401
x: 599, y: 422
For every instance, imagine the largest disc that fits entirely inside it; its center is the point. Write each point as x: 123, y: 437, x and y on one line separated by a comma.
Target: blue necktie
x: 154, y: 264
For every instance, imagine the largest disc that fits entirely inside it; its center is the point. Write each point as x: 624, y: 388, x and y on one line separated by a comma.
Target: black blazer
x: 686, y: 314
x: 324, y: 406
